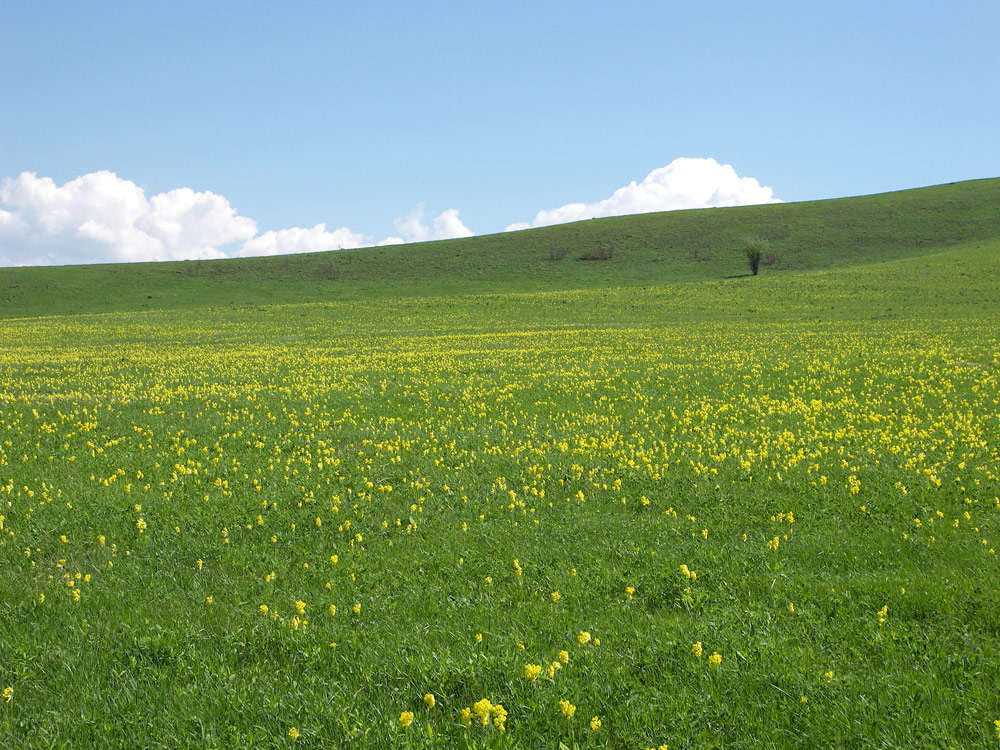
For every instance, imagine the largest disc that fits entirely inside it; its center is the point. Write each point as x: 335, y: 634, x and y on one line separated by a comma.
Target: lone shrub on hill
x: 601, y: 253
x: 557, y: 253
x: 754, y: 249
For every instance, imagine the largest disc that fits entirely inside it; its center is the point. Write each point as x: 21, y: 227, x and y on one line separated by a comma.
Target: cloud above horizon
x: 446, y: 226
x: 684, y: 183
x: 297, y: 240
x: 100, y: 217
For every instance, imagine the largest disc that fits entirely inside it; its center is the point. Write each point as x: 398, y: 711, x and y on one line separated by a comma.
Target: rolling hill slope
x: 647, y: 249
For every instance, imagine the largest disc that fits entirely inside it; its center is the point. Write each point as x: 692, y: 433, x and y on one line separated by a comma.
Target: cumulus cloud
x: 297, y: 240
x: 445, y: 226
x: 195, y: 224
x: 684, y: 183
x: 517, y: 226
x: 100, y: 217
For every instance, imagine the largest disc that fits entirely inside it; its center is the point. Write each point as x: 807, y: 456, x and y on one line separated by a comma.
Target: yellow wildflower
x: 482, y: 709
x: 499, y: 717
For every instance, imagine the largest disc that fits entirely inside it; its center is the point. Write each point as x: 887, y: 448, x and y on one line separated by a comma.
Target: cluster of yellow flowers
x: 567, y: 708
x: 484, y: 711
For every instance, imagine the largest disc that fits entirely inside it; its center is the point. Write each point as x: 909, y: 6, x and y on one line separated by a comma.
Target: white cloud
x: 412, y: 226
x: 296, y: 240
x: 10, y: 222
x: 517, y: 226
x: 191, y: 223
x: 446, y: 226
x: 100, y: 217
x: 684, y: 183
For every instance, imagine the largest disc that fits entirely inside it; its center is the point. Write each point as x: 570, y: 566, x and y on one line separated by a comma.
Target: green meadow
x: 485, y: 493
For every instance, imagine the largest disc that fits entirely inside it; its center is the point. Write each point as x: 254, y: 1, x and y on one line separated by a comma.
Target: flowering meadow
x: 748, y: 513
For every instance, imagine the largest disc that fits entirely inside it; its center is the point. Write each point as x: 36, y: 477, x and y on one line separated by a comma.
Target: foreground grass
x: 485, y: 485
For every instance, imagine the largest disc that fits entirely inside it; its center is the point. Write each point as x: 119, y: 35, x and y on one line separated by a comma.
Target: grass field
x: 682, y: 507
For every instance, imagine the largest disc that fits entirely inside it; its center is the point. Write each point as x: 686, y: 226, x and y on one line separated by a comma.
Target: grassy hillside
x: 647, y: 249
x: 734, y: 513
x: 462, y: 512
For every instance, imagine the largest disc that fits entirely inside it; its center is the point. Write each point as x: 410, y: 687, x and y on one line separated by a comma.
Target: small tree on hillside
x: 754, y: 249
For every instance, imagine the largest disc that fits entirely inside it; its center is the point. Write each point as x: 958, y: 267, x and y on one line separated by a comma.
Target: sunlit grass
x: 737, y: 513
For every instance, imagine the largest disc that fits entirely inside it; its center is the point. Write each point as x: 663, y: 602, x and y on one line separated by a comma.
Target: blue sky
x: 380, y: 118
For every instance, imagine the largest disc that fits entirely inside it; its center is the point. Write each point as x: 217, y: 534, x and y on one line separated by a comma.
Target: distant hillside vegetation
x: 643, y: 249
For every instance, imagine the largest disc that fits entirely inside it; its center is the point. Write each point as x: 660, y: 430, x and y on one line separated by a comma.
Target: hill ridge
x: 652, y: 248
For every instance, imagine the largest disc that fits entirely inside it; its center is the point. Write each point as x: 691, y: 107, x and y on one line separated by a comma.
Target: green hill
x: 646, y: 249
